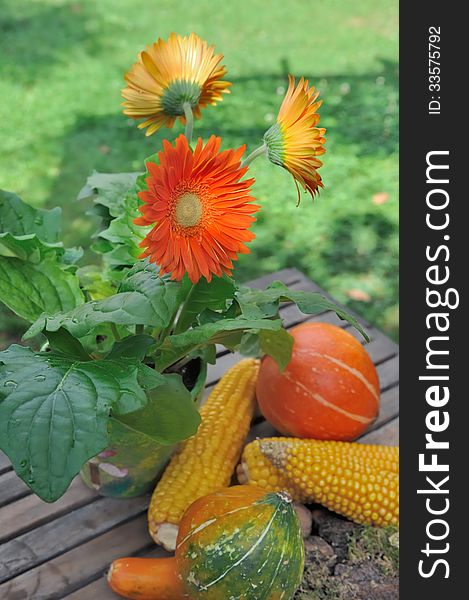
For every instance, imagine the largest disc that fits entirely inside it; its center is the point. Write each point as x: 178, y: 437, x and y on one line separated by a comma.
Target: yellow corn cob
x: 358, y: 481
x: 206, y: 461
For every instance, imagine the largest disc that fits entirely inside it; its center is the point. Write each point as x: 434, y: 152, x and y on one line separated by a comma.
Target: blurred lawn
x: 61, y: 68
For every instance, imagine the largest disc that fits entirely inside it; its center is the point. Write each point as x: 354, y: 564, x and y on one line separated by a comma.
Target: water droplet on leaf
x: 10, y: 383
x: 40, y: 378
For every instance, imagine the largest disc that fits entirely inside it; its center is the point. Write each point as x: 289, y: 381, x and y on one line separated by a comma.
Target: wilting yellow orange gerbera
x: 169, y: 74
x: 200, y: 209
x: 294, y: 142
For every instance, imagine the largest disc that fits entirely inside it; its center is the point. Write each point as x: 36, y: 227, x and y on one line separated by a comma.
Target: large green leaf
x: 116, y: 200
x: 169, y: 417
x: 54, y: 412
x: 133, y: 346
x: 204, y: 295
x: 256, y: 304
x: 143, y: 298
x: 36, y: 275
x: 227, y: 332
x: 29, y: 247
x: 18, y: 218
x: 108, y: 189
x: 31, y: 288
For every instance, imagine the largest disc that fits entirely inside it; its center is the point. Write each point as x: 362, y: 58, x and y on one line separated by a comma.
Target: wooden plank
x: 95, y: 590
x: 12, y: 488
x: 73, y: 569
x: 39, y: 545
x: 388, y: 435
x: 31, y: 511
x: 380, y: 348
x: 315, y: 287
x: 388, y: 373
x: 261, y: 430
x: 389, y: 408
x: 5, y: 464
x: 288, y: 276
x: 99, y: 588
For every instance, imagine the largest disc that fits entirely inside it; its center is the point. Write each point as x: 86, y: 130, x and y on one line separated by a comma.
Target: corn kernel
x: 206, y: 461
x: 357, y: 480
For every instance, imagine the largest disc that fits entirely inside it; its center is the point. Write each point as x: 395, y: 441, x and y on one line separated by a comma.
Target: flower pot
x: 133, y: 462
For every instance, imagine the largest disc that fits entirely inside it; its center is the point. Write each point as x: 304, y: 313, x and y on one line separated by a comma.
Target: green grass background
x: 61, y: 68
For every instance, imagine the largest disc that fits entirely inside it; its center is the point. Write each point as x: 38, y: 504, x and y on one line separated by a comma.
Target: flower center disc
x: 189, y: 210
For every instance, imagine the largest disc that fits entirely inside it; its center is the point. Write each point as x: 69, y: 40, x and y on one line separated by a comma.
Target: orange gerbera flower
x: 169, y: 74
x: 294, y: 142
x: 200, y: 209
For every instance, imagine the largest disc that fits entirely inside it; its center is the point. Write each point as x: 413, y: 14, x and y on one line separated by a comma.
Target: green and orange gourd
x: 239, y: 542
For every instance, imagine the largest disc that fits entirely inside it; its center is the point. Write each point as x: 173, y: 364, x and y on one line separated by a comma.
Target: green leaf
x: 108, y: 189
x: 35, y: 270
x: 32, y: 288
x: 277, y: 344
x: 250, y: 345
x: 256, y: 304
x: 204, y: 295
x: 170, y: 415
x: 227, y: 332
x: 115, y: 197
x: 29, y: 247
x: 54, y: 413
x: 63, y: 342
x: 72, y: 256
x: 143, y: 298
x: 133, y: 346
x: 149, y: 379
x: 94, y: 281
x: 18, y: 218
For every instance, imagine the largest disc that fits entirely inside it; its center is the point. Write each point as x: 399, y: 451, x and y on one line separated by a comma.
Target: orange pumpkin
x: 329, y: 390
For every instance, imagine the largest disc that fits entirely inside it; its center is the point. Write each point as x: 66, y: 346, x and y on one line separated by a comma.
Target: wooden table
x: 62, y: 550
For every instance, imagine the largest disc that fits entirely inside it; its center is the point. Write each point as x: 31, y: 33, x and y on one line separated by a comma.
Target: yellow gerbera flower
x: 294, y: 142
x: 172, y: 77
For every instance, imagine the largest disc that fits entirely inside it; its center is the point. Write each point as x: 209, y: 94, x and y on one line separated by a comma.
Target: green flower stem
x: 254, y: 154
x: 181, y: 324
x: 181, y: 355
x: 115, y: 332
x: 167, y: 330
x: 189, y: 121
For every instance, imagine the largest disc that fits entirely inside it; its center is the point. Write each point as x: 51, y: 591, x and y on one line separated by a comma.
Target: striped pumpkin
x: 240, y: 542
x: 329, y: 390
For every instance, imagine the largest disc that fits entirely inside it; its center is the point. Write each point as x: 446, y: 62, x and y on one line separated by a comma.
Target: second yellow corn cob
x: 359, y: 481
x: 206, y: 461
